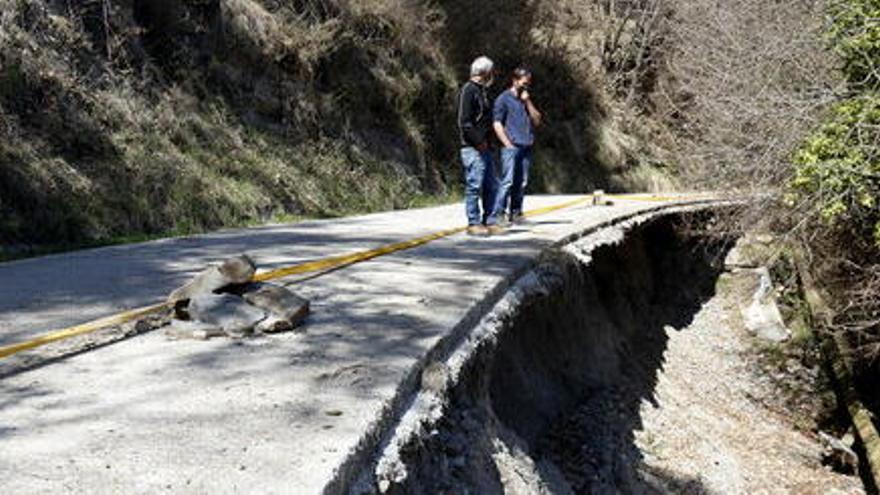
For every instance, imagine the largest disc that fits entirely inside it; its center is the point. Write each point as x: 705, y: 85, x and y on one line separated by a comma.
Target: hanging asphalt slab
x: 272, y: 414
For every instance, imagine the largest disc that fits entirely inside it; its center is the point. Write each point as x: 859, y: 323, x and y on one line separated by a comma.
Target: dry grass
x: 186, y: 116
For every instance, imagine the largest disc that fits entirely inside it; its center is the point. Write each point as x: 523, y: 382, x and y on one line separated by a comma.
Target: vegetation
x: 838, y: 170
x: 136, y: 117
x: 120, y: 118
x: 835, y: 187
x: 855, y: 37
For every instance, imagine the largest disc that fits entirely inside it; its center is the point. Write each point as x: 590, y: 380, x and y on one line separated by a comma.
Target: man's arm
x: 502, y: 134
x: 499, y: 115
x: 534, y: 113
x: 466, y: 116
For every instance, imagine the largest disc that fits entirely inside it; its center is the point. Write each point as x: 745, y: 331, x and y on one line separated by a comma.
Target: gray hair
x: 482, y: 66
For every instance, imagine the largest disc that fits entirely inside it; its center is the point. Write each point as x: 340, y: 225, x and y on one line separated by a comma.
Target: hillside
x: 134, y: 117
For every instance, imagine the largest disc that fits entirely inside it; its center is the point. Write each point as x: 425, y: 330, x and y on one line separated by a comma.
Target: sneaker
x: 477, y: 230
x: 495, y: 229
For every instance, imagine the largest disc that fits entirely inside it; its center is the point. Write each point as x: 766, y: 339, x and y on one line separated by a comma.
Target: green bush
x: 838, y: 168
x: 855, y: 35
x: 836, y: 180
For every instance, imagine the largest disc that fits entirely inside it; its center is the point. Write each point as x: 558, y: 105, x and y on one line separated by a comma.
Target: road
x: 277, y: 414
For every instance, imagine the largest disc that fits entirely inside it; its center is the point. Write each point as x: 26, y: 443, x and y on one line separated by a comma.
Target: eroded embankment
x: 544, y: 395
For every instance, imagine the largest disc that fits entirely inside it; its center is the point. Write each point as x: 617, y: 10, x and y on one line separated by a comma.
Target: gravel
x: 710, y: 430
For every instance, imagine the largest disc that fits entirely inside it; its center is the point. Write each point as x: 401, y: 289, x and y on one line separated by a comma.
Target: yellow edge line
x: 92, y: 326
x: 308, y: 267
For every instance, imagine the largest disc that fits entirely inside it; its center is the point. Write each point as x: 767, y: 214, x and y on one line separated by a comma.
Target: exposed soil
x: 632, y: 374
x: 717, y: 421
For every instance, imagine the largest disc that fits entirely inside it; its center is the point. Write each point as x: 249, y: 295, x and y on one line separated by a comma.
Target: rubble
x: 237, y: 270
x: 223, y: 300
x: 179, y: 330
x: 236, y: 317
x: 838, y: 452
x: 279, y: 301
x: 274, y: 324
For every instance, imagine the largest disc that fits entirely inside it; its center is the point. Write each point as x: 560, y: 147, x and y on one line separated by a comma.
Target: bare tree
x: 747, y: 79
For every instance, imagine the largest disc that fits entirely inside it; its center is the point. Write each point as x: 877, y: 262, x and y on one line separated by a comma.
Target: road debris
x: 222, y: 301
x: 237, y: 270
x: 236, y: 317
x: 285, y: 307
x: 762, y: 317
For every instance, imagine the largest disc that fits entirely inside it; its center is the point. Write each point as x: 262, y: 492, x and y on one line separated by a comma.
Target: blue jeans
x: 479, y: 177
x: 515, y: 164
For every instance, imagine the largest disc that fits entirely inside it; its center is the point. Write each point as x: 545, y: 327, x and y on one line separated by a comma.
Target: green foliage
x: 855, y: 34
x: 838, y: 168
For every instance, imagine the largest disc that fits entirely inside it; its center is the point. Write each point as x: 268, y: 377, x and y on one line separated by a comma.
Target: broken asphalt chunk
x: 234, y: 271
x: 282, y: 303
x: 197, y: 330
x: 236, y: 317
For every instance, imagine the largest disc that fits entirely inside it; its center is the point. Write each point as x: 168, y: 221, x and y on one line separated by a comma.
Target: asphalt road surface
x: 272, y: 414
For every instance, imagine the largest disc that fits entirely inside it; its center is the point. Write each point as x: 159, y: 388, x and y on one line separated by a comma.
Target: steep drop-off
x: 585, y: 328
x: 618, y: 365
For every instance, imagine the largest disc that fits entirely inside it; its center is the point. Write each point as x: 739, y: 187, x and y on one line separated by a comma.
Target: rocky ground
x: 594, y: 385
x: 717, y: 425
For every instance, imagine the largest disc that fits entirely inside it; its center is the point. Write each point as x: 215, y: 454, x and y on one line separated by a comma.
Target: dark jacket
x: 474, y: 114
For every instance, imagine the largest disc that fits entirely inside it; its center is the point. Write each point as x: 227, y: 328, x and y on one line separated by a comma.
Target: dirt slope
x: 711, y: 424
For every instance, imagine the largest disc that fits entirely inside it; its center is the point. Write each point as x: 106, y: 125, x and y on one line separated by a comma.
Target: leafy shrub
x: 836, y: 180
x: 855, y: 35
x: 838, y: 167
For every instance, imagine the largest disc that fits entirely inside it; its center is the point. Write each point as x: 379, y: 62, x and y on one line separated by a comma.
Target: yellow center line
x: 82, y: 329
x: 350, y: 259
x: 298, y: 269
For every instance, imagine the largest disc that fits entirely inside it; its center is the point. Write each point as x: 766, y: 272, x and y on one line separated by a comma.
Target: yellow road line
x: 308, y: 267
x: 350, y: 259
x: 92, y: 326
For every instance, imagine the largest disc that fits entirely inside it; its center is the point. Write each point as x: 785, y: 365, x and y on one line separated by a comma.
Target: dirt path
x: 711, y: 430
